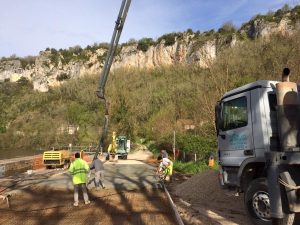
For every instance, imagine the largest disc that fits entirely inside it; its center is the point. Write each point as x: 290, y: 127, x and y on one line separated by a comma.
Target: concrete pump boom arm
x: 113, y: 47
x: 106, y: 68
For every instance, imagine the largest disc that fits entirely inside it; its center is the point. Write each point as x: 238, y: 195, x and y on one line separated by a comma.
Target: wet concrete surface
x: 46, y: 197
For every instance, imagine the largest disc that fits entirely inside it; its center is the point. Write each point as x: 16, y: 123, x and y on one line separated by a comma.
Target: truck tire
x: 257, y: 204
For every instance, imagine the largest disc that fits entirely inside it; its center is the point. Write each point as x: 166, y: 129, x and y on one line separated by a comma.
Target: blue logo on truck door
x: 238, y: 141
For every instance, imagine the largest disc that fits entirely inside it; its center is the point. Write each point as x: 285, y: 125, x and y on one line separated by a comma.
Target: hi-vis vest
x: 168, y: 164
x: 79, y: 169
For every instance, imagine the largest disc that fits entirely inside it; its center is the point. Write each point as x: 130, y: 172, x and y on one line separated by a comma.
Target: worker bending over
x: 79, y: 170
x: 165, y: 168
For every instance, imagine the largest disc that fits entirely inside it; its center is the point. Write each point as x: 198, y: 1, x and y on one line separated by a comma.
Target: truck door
x: 235, y: 141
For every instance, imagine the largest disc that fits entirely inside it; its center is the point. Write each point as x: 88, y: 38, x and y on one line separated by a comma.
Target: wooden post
x: 174, y: 137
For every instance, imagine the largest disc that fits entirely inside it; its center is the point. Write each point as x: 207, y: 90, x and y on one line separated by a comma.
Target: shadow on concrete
x: 131, y: 198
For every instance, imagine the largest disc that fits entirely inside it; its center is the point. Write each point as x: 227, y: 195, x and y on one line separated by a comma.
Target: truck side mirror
x: 218, y: 119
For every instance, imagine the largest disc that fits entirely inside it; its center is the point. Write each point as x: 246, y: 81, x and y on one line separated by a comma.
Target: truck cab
x: 249, y: 144
x: 246, y: 128
x: 122, y: 149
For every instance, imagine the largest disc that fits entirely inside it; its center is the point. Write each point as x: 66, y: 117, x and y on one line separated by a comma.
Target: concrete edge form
x: 178, y: 218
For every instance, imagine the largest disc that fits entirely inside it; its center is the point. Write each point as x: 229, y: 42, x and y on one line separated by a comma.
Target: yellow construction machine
x: 117, y: 148
x: 57, y: 158
x: 112, y: 154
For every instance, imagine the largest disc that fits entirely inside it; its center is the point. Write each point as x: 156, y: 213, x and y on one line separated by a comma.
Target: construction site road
x: 46, y: 197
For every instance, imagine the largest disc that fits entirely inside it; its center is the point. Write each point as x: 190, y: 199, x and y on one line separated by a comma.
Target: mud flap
x: 293, y: 200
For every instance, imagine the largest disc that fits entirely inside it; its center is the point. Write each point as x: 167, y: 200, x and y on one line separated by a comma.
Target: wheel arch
x: 250, y: 169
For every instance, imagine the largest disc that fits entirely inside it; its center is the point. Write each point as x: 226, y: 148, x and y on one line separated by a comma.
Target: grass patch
x: 191, y: 167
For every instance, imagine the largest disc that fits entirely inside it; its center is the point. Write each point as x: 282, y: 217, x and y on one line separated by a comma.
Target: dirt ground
x: 37, y: 207
x: 200, y: 200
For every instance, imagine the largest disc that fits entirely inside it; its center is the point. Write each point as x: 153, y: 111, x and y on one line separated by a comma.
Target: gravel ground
x: 200, y: 200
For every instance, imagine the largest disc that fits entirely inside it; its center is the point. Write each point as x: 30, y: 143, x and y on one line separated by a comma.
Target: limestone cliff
x: 51, y: 67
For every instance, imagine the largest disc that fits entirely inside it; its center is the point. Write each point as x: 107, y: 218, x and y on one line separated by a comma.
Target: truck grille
x: 51, y: 155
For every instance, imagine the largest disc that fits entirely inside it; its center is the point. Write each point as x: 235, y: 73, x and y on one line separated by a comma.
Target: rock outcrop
x: 263, y: 29
x: 52, y: 67
x: 181, y: 52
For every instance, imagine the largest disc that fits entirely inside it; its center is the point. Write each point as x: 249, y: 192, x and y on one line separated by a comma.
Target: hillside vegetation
x: 144, y: 104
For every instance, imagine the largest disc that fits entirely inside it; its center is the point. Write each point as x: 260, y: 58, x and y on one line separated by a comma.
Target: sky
x: 30, y: 26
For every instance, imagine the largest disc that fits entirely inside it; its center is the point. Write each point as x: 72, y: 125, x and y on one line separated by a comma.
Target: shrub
x: 54, y: 57
x: 23, y: 81
x: 244, y: 80
x: 29, y: 60
x: 154, y: 148
x: 227, y: 27
x: 131, y: 41
x: 189, y: 31
x: 169, y: 39
x: 67, y: 56
x: 190, y: 167
x: 63, y: 76
x: 295, y: 14
x: 82, y: 57
x: 144, y: 44
x: 203, y: 146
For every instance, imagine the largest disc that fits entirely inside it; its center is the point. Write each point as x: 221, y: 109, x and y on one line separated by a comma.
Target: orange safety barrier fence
x: 84, y: 156
x: 37, y: 162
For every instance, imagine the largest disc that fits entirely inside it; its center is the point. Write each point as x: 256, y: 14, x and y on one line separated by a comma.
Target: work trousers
x: 84, y: 191
x: 99, y: 177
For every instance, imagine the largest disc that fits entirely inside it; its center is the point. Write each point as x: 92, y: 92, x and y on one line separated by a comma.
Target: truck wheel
x: 257, y: 204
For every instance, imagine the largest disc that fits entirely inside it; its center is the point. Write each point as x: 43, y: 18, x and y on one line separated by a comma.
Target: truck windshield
x: 121, y: 144
x: 234, y: 113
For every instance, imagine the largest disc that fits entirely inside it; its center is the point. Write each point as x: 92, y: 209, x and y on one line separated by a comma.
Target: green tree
x: 144, y: 44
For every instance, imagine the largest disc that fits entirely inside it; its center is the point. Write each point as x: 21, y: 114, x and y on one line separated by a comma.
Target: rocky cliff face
x: 263, y: 29
x: 52, y: 67
x: 181, y: 52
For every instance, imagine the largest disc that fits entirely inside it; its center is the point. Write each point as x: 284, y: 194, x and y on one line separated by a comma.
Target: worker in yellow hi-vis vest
x: 211, y: 162
x: 79, y: 170
x: 165, y: 168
